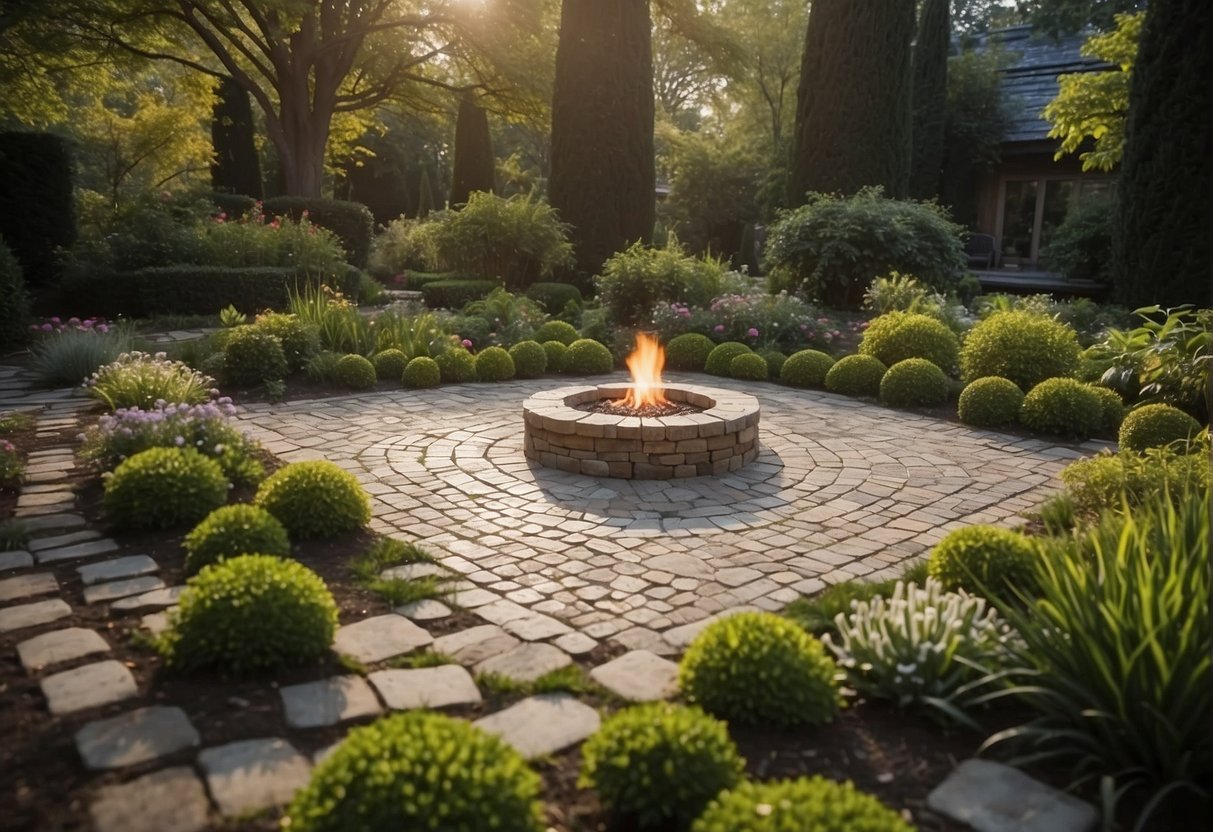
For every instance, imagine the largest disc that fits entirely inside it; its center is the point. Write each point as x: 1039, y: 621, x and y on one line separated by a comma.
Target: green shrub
x: 749, y: 366
x: 37, y: 203
x: 636, y: 280
x: 315, y: 499
x: 419, y: 771
x: 1062, y: 406
x: 250, y: 242
x: 554, y: 297
x: 137, y: 379
x: 350, y: 221
x: 990, y: 402
x: 914, y: 382
x: 456, y: 366
x: 896, y: 336
x: 14, y: 301
x: 807, y: 368
x: 1023, y: 346
x: 1156, y: 425
x: 456, y: 294
x: 162, y: 488
x: 234, y: 530
x: 300, y: 342
x: 587, y: 357
x: 775, y: 361
x: 555, y: 353
x: 856, y: 375
x: 422, y: 372
x: 355, y: 372
x: 502, y: 318
x: 250, y: 613
x: 1112, y: 408
x: 252, y: 356
x: 986, y: 560
x: 494, y: 364
x: 69, y: 356
x: 389, y: 364
x: 1104, y: 481
x: 660, y: 764
x: 812, y: 804
x: 530, y: 359
x: 720, y: 359
x: 323, y: 367
x: 1080, y: 246
x: 561, y: 331
x: 759, y: 668
x: 688, y: 352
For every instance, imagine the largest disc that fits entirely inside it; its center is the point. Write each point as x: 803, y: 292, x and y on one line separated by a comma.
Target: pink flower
x: 719, y: 327
x: 752, y: 332
x: 47, y: 327
x: 467, y: 344
x: 102, y: 328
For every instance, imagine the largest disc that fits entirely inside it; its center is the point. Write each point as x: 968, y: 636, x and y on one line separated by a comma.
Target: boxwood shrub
x: 749, y: 366
x: 1026, y: 347
x: 856, y: 375
x: 454, y: 293
x: 990, y: 402
x: 252, y: 356
x: 813, y: 803
x: 807, y: 368
x: 896, y: 336
x: 1113, y: 408
x: 688, y: 352
x: 162, y: 488
x: 985, y: 560
x: 587, y: 357
x: 355, y: 372
x: 530, y: 359
x: 914, y: 382
x: 556, y: 352
x: 234, y: 530
x: 300, y: 342
x: 421, y: 372
x: 1156, y: 425
x: 775, y: 361
x: 389, y: 364
x: 561, y: 331
x: 456, y: 365
x: 494, y: 364
x: 1062, y: 406
x: 720, y: 359
x: 315, y: 499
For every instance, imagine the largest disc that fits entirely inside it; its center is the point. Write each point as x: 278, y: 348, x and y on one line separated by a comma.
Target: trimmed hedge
x: 554, y: 297
x: 812, y: 804
x: 587, y: 357
x: 420, y: 373
x: 990, y: 402
x: 896, y: 336
x: 1154, y: 426
x: 807, y: 368
x: 688, y: 352
x: 37, y: 202
x: 1026, y: 347
x: 1062, y: 406
x: 986, y: 560
x: 530, y: 359
x: 914, y: 382
x: 455, y: 294
x: 720, y: 359
x: 352, y: 222
x: 494, y: 364
x: 856, y: 375
x: 561, y: 331
x: 749, y: 366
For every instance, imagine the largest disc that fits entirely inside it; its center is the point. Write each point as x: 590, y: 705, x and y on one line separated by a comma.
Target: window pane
x: 1059, y: 196
x: 1019, y: 215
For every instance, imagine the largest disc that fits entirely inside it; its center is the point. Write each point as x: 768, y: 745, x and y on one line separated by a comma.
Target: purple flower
x: 179, y: 441
x: 102, y: 328
x: 467, y: 344
x: 752, y: 332
x: 719, y: 328
x: 47, y: 327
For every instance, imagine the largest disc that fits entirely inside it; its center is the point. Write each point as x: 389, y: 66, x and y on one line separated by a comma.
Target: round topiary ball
x: 1156, y: 425
x: 355, y: 372
x: 229, y: 531
x: 775, y: 361
x: 1026, y: 347
x: 990, y: 402
x: 457, y: 366
x: 688, y: 352
x: 660, y: 764
x: 162, y: 488
x: 986, y: 560
x: 419, y: 770
x: 856, y: 375
x: 720, y: 359
x: 300, y: 341
x: 1112, y: 407
x: 420, y: 373
x: 914, y: 382
x: 587, y: 357
x: 896, y: 336
x: 494, y: 364
x: 561, y: 331
x: 556, y: 351
x: 315, y: 499
x: 807, y: 368
x: 250, y: 613
x: 252, y: 356
x: 390, y: 364
x: 760, y: 668
x: 749, y: 366
x: 530, y: 360
x: 1062, y: 406
x: 812, y: 803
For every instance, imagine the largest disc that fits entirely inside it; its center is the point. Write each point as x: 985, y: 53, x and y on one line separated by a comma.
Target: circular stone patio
x: 841, y: 488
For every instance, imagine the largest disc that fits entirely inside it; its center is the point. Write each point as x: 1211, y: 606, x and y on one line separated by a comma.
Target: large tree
x: 930, y: 97
x: 474, y: 168
x: 853, y: 114
x: 603, y: 179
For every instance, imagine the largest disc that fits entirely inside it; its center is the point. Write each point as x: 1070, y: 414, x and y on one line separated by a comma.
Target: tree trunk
x: 236, y: 169
x: 930, y: 97
x: 475, y: 167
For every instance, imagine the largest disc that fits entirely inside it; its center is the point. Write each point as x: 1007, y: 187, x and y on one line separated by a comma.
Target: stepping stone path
x: 135, y: 737
x: 27, y: 586
x: 426, y: 687
x: 111, y: 570
x: 32, y: 615
x: 425, y: 610
x: 88, y: 549
x: 526, y: 663
x: 170, y: 800
x: 542, y: 724
x: 476, y: 644
x: 992, y: 797
x: 89, y: 686
x: 328, y: 702
x: 121, y: 589
x: 15, y: 559
x: 382, y: 637
x: 251, y: 775
x: 639, y: 676
x: 60, y: 646
x: 164, y: 597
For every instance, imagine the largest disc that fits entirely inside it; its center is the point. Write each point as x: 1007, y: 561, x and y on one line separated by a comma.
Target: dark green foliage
x: 389, y: 364
x: 422, y: 372
x: 985, y: 560
x: 315, y: 499
x: 896, y: 336
x: 350, y: 221
x: 587, y: 357
x: 530, y: 359
x: 914, y: 382
x: 162, y: 488
x: 475, y: 167
x: 756, y: 668
x: 930, y: 97
x: 603, y: 174
x: 1156, y: 425
x: 456, y: 366
x: 1062, y: 406
x: 798, y: 806
x: 252, y: 356
x: 234, y: 530
x: 14, y: 300
x: 1026, y: 347
x: 560, y: 331
x: 750, y: 366
x: 775, y: 361
x: 660, y: 764
x: 1081, y: 247
x: 300, y: 342
x: 634, y: 281
x: 233, y: 205
x: 856, y: 375
x: 494, y: 364
x: 1113, y: 408
x: 976, y: 122
x: 236, y: 168
x: 556, y: 351
x: 853, y: 114
x: 249, y: 614
x: 807, y: 368
x: 688, y: 352
x: 419, y: 771
x: 355, y: 372
x: 990, y: 402
x: 720, y: 359
x: 1161, y: 242
x: 37, y: 202
x: 455, y: 293
x: 554, y: 297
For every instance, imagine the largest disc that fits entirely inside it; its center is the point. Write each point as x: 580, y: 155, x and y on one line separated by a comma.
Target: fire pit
x: 642, y: 430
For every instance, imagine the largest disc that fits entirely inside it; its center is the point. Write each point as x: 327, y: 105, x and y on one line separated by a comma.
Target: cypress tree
x: 1161, y: 240
x: 853, y: 104
x: 236, y: 168
x: 603, y: 178
x: 474, y: 168
x: 425, y: 195
x: 930, y: 97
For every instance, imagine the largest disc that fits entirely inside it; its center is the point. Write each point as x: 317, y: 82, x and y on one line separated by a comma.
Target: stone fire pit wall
x: 721, y: 438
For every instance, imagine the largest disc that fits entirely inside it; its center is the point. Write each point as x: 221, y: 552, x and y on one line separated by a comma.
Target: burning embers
x: 646, y: 396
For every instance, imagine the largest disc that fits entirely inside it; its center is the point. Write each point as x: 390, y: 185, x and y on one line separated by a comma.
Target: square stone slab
x: 27, y: 586
x: 992, y: 797
x: 542, y: 725
x: 251, y: 775
x: 426, y: 687
x: 120, y: 589
x: 536, y: 627
x: 424, y: 610
x: 88, y: 687
x: 639, y: 676
x: 171, y: 800
x: 575, y: 644
x: 378, y: 638
x: 60, y: 646
x: 88, y: 549
x: 112, y: 570
x: 15, y: 559
x: 526, y: 663
x: 475, y: 644
x: 31, y: 615
x: 328, y: 701
x: 135, y: 737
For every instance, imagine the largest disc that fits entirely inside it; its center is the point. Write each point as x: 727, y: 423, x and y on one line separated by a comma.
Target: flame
x: 645, y: 364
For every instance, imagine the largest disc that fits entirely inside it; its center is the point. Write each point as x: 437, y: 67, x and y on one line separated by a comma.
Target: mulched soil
x: 619, y: 407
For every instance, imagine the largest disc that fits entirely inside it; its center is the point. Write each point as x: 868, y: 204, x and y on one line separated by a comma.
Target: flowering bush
x: 251, y: 241
x: 11, y: 466
x: 758, y: 319
x: 57, y: 324
x: 140, y: 379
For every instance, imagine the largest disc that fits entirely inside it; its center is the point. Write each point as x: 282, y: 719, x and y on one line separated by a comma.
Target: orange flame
x: 645, y: 364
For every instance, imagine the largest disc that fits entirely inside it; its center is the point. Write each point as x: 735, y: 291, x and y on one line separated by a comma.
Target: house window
x: 1031, y: 209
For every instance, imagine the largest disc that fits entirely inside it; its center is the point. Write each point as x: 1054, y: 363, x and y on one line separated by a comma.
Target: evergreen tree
x: 474, y: 168
x: 236, y: 168
x: 1161, y: 241
x: 425, y: 195
x: 602, y: 170
x: 853, y: 115
x: 930, y: 98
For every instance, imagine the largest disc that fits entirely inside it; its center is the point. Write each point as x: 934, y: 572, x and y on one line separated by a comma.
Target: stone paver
x: 15, y: 559
x: 475, y: 644
x: 426, y: 687
x: 543, y: 724
x: 381, y: 637
x: 170, y: 800
x: 427, y: 609
x: 89, y: 686
x: 536, y: 627
x: 135, y: 737
x: 165, y: 597
x: 575, y: 644
x: 526, y: 663
x: 328, y: 701
x: 100, y: 593
x: 28, y: 586
x: 131, y: 566
x: 639, y: 676
x: 39, y: 544
x: 60, y: 646
x: 53, y: 522
x: 32, y: 615
x: 251, y: 775
x: 88, y: 549
x: 992, y: 797
x: 681, y: 637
